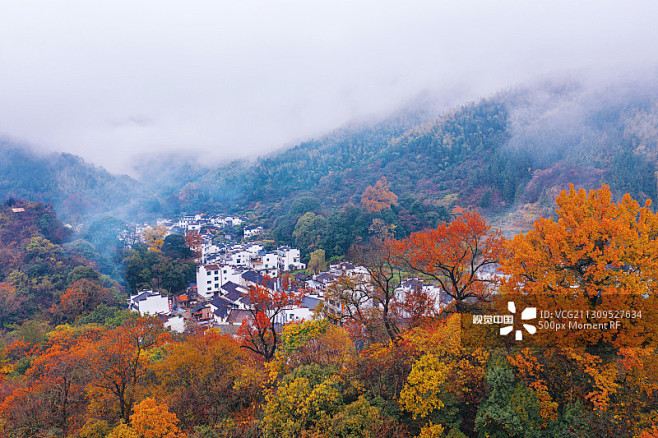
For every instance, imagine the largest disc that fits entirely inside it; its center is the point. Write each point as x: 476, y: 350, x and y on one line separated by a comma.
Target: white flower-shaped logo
x: 528, y: 313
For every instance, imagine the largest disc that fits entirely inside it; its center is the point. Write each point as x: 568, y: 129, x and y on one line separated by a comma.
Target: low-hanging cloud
x: 114, y: 79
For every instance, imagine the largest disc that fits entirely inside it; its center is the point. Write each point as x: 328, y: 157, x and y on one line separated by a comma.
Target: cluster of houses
x: 206, y: 225
x: 225, y: 303
x: 227, y: 271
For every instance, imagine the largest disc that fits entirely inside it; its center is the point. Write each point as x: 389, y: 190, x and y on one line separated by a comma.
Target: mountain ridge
x: 497, y: 154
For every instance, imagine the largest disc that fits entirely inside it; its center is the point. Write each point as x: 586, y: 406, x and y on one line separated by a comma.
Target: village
x: 227, y: 271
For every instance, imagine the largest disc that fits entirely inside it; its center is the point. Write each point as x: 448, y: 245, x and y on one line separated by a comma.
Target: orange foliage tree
x: 595, y: 247
x: 455, y: 255
x: 51, y: 394
x: 82, y: 297
x: 259, y: 332
x: 378, y: 197
x: 153, y: 420
x: 597, y: 254
x: 206, y: 378
x: 119, y: 360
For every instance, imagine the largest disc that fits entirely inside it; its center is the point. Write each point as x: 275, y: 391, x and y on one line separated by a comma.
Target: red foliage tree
x: 259, y: 332
x: 454, y: 255
x: 119, y: 361
x: 82, y: 297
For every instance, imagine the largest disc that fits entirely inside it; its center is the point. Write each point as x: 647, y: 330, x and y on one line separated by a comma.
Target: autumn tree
x: 597, y: 253
x: 595, y: 246
x: 58, y: 375
x: 369, y: 300
x: 154, y: 237
x: 51, y: 393
x: 194, y: 241
x: 206, y: 378
x: 455, y: 254
x: 10, y: 303
x: 119, y: 360
x: 378, y: 197
x: 312, y: 342
x: 259, y: 332
x: 419, y: 306
x: 82, y: 298
x: 153, y: 420
x: 447, y: 381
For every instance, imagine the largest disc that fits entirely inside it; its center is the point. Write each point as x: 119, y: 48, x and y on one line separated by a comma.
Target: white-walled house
x: 209, y: 249
x: 185, y: 221
x: 268, y: 264
x: 210, y: 278
x: 175, y: 323
x: 252, y: 231
x: 289, y: 258
x: 148, y: 302
x: 242, y: 258
x: 252, y: 248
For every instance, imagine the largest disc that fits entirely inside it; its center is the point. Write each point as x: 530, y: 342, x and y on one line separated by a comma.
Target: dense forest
x: 508, y: 155
x: 74, y: 364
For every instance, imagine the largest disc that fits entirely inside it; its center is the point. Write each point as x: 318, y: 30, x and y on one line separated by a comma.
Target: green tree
x: 309, y: 230
x: 317, y: 261
x: 512, y: 409
x: 174, y: 246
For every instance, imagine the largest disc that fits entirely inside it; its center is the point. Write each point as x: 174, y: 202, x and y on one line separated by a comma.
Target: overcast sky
x: 111, y: 79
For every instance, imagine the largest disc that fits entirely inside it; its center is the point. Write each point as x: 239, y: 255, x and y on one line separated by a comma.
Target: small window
x: 216, y: 278
x: 208, y: 273
x: 209, y: 281
x: 216, y: 272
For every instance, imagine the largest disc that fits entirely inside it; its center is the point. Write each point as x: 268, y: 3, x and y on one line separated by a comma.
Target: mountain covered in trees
x: 507, y: 155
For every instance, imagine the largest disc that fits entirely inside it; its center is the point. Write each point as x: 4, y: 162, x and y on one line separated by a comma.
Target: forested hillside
x: 507, y: 155
x: 77, y: 189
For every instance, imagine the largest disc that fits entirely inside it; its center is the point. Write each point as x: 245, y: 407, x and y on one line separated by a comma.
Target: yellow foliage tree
x: 445, y: 370
x: 378, y: 197
x: 302, y: 404
x: 597, y: 255
x: 153, y: 420
x: 122, y: 430
x: 420, y: 395
x: 154, y: 237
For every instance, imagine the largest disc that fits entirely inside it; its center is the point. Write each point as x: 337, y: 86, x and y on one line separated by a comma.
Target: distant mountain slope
x: 74, y: 187
x: 513, y: 150
x: 507, y: 155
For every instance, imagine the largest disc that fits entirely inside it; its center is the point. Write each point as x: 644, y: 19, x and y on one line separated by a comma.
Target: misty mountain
x: 507, y: 155
x: 74, y: 187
